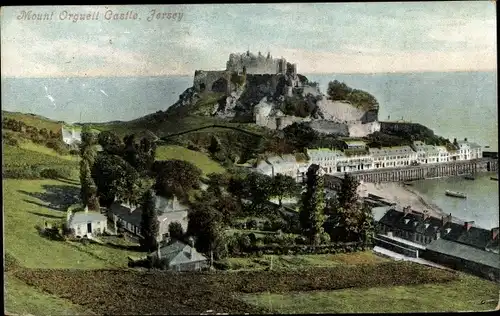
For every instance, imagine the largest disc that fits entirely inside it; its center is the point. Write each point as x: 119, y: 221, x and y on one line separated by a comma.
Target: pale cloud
x: 338, y: 37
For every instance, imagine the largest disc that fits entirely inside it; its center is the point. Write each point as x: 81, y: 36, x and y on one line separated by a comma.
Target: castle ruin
x: 242, y: 64
x: 259, y: 64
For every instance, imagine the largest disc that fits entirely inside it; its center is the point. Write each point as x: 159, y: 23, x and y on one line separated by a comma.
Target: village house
x: 71, y: 137
x: 178, y: 256
x: 468, y: 150
x: 168, y: 210
x: 86, y: 223
x: 461, y: 246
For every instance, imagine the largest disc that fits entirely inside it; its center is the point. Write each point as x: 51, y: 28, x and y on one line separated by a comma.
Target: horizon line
x: 305, y: 73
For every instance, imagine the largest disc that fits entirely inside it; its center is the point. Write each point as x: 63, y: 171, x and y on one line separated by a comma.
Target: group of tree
x: 339, y: 91
x: 225, y: 199
x: 344, y: 219
x: 43, y: 136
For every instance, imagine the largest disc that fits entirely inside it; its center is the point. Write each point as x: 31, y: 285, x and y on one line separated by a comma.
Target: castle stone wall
x: 256, y: 64
x: 204, y: 80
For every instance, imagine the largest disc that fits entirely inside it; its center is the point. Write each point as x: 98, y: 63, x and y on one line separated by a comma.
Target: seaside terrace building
x: 356, y: 156
x: 392, y: 157
x: 468, y: 150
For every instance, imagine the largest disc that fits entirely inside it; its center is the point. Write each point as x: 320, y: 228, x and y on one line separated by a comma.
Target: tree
x: 300, y: 135
x: 257, y: 187
x: 85, y: 178
x: 312, y: 206
x: 88, y: 189
x: 149, y: 222
x: 348, y: 194
x: 205, y: 223
x: 111, y: 143
x: 217, y: 183
x: 115, y: 178
x: 338, y: 91
x: 176, y: 177
x: 350, y: 220
x: 175, y: 230
x: 283, y: 186
x: 87, y: 149
x: 130, y: 152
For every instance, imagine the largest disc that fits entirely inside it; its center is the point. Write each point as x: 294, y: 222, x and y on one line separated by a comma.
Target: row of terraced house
x: 356, y: 156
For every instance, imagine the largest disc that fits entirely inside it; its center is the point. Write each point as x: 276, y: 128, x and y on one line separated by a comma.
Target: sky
x: 320, y: 38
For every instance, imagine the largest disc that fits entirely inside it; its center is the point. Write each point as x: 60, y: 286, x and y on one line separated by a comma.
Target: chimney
x: 446, y: 219
x: 407, y: 210
x: 68, y: 215
x: 438, y: 235
x: 494, y: 233
x: 389, y: 234
x: 468, y: 225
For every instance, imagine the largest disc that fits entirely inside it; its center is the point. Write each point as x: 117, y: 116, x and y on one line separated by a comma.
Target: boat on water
x: 469, y: 177
x: 407, y: 183
x: 494, y: 178
x: 456, y: 194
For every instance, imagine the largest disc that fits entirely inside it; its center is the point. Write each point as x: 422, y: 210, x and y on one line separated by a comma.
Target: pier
x: 427, y: 171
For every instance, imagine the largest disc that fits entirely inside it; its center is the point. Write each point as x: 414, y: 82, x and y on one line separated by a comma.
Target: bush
x: 244, y: 242
x: 252, y: 224
x: 28, y: 172
x: 222, y: 265
x: 56, y: 173
x: 325, y: 238
x: 267, y: 226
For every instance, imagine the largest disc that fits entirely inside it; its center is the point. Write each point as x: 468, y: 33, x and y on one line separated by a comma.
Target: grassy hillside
x: 200, y: 160
x: 465, y: 294
x: 37, y: 121
x: 34, y: 155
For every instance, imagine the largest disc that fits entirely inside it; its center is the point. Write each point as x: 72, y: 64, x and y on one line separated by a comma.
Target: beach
x: 404, y: 195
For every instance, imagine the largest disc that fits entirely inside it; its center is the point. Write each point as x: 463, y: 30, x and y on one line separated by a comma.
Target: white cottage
x: 87, y: 223
x: 71, y: 137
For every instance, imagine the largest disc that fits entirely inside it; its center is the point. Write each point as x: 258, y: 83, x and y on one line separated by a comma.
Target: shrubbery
x: 37, y: 172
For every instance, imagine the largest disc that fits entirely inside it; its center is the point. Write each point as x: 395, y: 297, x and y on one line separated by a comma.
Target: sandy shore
x: 404, y: 196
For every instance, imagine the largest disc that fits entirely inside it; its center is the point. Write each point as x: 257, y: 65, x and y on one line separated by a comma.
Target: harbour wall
x: 420, y: 172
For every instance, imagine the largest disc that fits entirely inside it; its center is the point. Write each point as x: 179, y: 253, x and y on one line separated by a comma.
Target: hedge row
x: 334, y: 278
x: 277, y: 249
x: 37, y: 172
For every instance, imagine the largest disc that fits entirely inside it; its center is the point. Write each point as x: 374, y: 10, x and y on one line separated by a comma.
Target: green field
x: 46, y: 151
x: 22, y: 211
x: 24, y: 299
x: 463, y: 295
x: 35, y: 120
x: 304, y: 261
x: 200, y: 160
x: 31, y: 154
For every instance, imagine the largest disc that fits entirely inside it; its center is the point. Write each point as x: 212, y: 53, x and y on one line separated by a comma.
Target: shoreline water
x: 404, y: 196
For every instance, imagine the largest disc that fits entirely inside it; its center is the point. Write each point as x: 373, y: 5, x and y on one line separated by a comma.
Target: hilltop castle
x: 259, y: 64
x: 241, y: 65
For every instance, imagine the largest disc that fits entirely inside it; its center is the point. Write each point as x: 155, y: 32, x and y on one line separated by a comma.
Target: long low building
x: 356, y: 156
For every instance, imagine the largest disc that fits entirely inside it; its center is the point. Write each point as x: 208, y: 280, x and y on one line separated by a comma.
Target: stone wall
x: 256, y: 64
x: 216, y: 81
x: 425, y: 171
x: 455, y: 263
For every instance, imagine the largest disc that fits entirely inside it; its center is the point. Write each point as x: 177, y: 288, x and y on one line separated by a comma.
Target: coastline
x: 406, y: 196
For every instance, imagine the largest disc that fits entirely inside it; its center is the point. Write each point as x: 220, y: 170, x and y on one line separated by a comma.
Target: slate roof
x: 178, y: 253
x: 465, y: 252
x: 475, y: 237
x: 413, y: 222
x: 163, y: 207
x: 85, y: 217
x: 388, y: 151
x: 379, y: 212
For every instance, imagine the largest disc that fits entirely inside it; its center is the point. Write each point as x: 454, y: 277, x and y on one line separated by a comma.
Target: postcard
x: 280, y: 158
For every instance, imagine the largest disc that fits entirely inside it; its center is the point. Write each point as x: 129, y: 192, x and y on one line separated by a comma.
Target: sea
x: 453, y: 104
